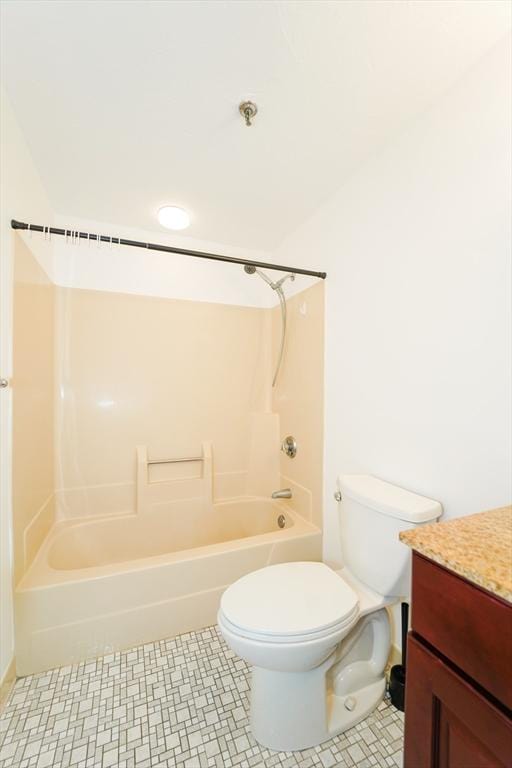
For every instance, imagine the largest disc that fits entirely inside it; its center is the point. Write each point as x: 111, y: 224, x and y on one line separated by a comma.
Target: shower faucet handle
x: 289, y: 446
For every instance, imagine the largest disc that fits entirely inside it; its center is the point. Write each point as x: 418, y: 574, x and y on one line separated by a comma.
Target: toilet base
x: 289, y: 715
x: 367, y: 699
x: 296, y: 710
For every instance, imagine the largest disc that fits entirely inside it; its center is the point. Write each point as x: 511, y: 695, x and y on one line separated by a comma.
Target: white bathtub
x: 99, y: 585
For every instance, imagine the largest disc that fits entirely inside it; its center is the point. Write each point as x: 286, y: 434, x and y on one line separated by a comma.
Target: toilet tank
x: 372, y: 514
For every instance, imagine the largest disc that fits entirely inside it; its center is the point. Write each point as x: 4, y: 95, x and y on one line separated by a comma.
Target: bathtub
x: 100, y: 585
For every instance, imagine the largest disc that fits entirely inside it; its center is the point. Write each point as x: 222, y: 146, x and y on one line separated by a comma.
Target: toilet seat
x: 290, y: 640
x: 289, y: 603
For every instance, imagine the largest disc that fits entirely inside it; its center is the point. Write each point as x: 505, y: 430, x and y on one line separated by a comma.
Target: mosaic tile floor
x: 180, y: 702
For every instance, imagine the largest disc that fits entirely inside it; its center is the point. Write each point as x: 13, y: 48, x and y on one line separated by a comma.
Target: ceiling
x: 130, y: 105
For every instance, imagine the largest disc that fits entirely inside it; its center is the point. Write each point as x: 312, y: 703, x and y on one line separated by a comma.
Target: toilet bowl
x: 318, y: 640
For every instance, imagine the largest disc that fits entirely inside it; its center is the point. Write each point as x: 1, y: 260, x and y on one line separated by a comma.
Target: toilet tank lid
x: 389, y: 499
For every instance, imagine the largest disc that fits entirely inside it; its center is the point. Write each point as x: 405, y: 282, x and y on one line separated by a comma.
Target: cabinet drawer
x: 469, y: 626
x: 449, y: 724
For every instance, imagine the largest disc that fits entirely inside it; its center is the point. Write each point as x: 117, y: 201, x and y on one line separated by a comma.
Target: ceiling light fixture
x: 172, y: 217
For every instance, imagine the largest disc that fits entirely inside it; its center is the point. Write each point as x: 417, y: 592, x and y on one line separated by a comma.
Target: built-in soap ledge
x: 167, y: 479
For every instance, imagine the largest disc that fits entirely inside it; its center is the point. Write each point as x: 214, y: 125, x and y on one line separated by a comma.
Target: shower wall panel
x: 167, y: 374
x: 33, y: 406
x: 298, y: 397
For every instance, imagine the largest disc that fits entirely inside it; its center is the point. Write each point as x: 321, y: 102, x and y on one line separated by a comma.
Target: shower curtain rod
x: 75, y: 235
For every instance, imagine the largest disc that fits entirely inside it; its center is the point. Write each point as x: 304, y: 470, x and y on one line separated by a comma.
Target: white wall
x: 21, y: 194
x: 417, y: 250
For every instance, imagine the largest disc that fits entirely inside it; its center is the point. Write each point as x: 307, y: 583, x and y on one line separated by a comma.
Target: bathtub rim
x: 41, y: 575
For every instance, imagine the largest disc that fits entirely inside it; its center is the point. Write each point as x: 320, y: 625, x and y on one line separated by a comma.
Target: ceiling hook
x: 248, y: 110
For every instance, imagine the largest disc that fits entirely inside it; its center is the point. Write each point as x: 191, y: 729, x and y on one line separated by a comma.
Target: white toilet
x: 319, y: 639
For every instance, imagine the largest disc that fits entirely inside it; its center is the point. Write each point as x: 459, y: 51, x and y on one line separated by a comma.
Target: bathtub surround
x: 298, y: 395
x: 20, y: 189
x: 33, y: 407
x: 179, y: 702
x: 166, y: 374
x: 143, y: 378
x: 140, y: 370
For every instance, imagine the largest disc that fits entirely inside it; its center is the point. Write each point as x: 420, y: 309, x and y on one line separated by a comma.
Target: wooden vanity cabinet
x: 458, y: 697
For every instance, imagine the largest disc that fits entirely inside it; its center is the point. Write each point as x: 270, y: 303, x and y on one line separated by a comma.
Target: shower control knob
x: 289, y: 446
x: 338, y: 496
x: 350, y: 703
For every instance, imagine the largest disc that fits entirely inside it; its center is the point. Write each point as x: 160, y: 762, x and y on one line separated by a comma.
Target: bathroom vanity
x: 459, y: 679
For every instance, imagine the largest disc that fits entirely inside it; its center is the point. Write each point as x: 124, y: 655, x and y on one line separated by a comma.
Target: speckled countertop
x: 478, y: 547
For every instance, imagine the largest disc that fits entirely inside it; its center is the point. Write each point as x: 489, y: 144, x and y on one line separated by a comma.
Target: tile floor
x: 178, y: 702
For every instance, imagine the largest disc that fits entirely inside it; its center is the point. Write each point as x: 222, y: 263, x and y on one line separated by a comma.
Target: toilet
x: 318, y: 639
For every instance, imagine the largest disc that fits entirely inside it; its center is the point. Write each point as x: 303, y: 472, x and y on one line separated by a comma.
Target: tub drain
x: 281, y: 521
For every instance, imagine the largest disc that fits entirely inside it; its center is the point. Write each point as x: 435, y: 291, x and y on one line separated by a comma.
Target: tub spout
x: 284, y: 493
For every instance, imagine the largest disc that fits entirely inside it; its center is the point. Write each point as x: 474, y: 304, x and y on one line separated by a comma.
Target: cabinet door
x: 448, y: 723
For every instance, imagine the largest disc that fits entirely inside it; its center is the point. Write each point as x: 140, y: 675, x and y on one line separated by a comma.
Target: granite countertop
x: 477, y: 547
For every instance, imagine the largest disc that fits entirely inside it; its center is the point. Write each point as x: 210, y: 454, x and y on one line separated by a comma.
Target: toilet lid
x: 289, y: 599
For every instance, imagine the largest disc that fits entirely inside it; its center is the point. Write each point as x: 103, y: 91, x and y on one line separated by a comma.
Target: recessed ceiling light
x: 173, y: 218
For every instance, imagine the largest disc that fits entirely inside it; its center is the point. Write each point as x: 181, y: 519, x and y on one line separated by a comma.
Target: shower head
x: 251, y: 269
